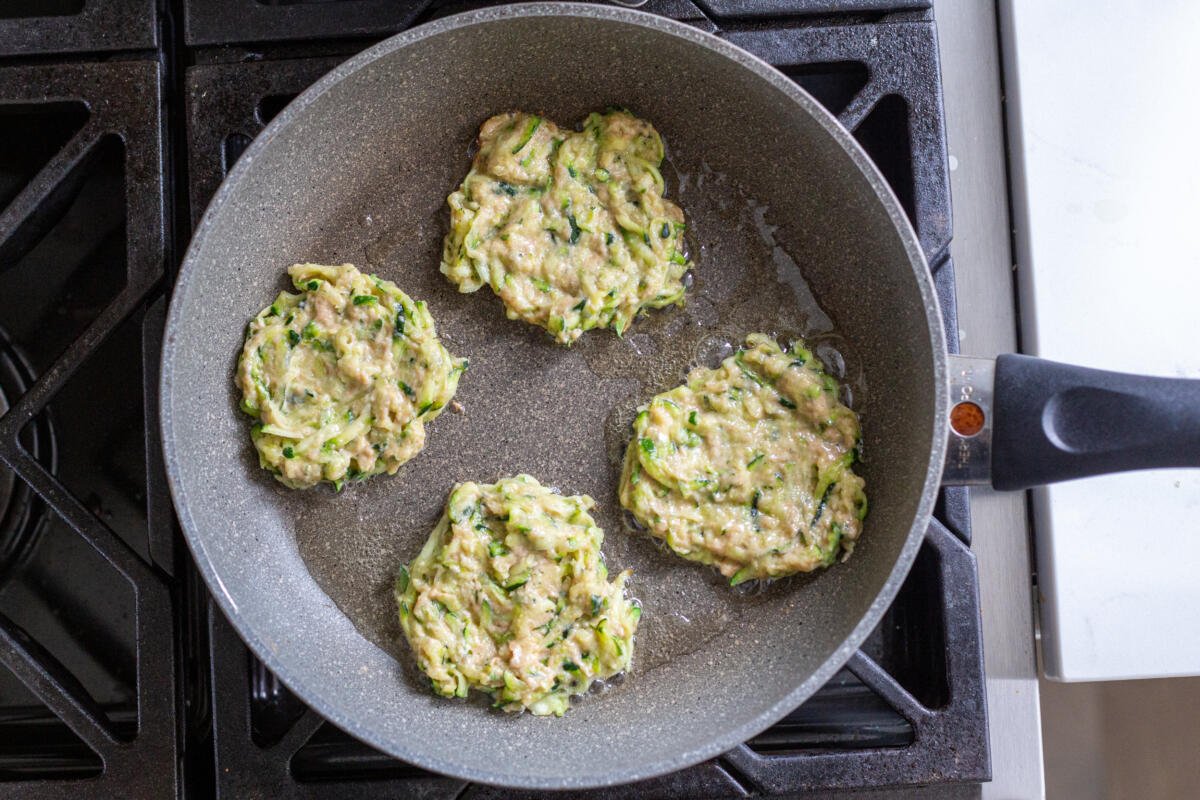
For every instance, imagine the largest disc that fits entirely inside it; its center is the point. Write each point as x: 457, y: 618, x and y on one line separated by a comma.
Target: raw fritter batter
x: 342, y: 377
x: 748, y: 466
x: 569, y: 229
x: 510, y: 595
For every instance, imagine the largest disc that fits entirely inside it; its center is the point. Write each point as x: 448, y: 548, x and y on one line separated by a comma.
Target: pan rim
x: 310, y: 690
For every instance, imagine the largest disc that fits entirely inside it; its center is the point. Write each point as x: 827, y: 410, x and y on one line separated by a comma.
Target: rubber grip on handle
x: 1054, y: 422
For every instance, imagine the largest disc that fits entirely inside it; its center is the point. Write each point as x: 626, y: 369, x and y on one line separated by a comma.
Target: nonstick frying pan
x: 793, y: 232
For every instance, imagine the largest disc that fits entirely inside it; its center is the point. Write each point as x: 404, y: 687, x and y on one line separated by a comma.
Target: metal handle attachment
x: 969, y: 454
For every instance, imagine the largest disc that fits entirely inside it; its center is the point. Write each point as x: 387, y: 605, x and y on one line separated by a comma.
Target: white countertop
x: 1106, y: 199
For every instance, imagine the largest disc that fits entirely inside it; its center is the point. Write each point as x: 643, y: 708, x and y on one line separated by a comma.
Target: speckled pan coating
x: 357, y: 169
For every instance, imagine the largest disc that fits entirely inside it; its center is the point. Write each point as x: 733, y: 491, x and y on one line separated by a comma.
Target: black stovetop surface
x: 118, y: 677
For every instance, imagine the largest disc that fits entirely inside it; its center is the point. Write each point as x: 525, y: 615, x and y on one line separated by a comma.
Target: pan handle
x: 1020, y: 421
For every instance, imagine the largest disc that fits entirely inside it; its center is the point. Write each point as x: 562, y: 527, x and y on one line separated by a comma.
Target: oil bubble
x: 712, y: 350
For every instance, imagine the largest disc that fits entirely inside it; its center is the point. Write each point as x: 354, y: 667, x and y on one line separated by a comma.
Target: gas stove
x: 118, y: 120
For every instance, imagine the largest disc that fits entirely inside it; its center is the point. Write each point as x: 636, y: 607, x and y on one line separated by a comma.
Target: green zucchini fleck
x: 530, y: 128
x: 516, y: 583
x: 741, y: 576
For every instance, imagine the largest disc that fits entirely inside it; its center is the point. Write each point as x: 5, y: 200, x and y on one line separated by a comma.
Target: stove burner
x: 22, y: 514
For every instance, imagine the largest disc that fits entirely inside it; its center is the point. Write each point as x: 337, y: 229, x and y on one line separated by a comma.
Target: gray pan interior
x: 783, y: 209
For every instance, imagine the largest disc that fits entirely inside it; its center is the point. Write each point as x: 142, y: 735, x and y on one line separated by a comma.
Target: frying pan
x: 793, y: 232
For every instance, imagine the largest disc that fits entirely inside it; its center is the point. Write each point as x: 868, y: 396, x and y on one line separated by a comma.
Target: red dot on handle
x: 966, y: 418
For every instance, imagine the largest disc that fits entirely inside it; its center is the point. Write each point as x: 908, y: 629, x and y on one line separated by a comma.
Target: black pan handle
x: 1054, y: 422
x: 1018, y: 421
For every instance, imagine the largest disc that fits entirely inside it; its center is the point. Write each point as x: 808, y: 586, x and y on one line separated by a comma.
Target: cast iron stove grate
x: 87, y: 626
x: 907, y: 710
